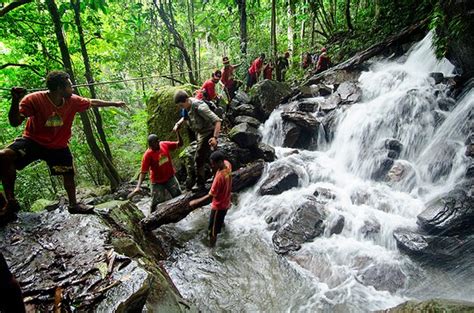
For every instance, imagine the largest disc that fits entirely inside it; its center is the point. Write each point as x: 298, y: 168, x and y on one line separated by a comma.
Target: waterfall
x: 359, y: 269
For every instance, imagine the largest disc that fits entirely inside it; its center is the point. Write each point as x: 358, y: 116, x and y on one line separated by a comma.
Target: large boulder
x: 349, y: 92
x: 163, y: 113
x: 268, y: 94
x: 281, y: 178
x: 451, y: 214
x: 307, y: 223
x: 432, y: 305
x: 245, y: 135
x: 301, y: 119
x: 383, y: 277
x: 98, y: 262
x: 428, y: 248
x: 252, y: 121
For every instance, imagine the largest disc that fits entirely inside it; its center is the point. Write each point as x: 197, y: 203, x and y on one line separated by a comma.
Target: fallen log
x: 176, y: 209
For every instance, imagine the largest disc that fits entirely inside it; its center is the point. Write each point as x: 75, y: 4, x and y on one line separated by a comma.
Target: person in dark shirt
x: 282, y: 66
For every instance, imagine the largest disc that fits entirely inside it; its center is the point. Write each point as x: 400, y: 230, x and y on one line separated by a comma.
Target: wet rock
x: 433, y: 305
x: 321, y: 90
x: 268, y: 94
x: 241, y: 97
x: 401, y: 170
x: 329, y: 123
x: 349, y: 92
x: 252, y: 121
x: 291, y: 133
x: 387, y: 277
x: 265, y: 152
x: 331, y: 103
x: 281, y: 178
x: 451, y: 214
x: 324, y: 193
x: 382, y: 167
x: 79, y: 253
x: 245, y: 135
x: 246, y: 110
x: 430, y: 248
x: 437, y: 77
x: 235, y: 154
x: 470, y: 146
x: 470, y: 171
x: 446, y: 104
x: 394, y: 145
x: 301, y: 119
x: 337, y: 225
x: 370, y: 227
x: 307, y: 223
x: 439, y: 117
x: 308, y: 105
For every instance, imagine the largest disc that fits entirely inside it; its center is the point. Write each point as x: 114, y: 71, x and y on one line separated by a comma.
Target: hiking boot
x: 80, y: 208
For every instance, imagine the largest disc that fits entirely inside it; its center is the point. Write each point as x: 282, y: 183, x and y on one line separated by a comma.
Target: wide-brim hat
x: 225, y: 60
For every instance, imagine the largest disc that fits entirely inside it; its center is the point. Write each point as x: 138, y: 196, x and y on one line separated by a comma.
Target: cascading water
x: 359, y: 269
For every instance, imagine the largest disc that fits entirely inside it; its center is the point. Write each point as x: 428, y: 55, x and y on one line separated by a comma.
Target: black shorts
x: 251, y: 79
x: 216, y: 220
x: 59, y: 160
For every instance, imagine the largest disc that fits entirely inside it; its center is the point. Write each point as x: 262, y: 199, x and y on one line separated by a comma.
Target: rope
x: 118, y: 81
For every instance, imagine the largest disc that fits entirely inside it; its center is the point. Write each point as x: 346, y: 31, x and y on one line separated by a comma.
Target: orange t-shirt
x: 47, y: 124
x: 221, y: 188
x: 159, y: 162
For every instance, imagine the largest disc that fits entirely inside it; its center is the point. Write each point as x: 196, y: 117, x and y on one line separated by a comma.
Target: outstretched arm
x: 178, y: 124
x: 196, y: 203
x: 141, y: 178
x: 102, y: 103
x: 14, y: 116
x: 180, y: 140
x: 217, y: 130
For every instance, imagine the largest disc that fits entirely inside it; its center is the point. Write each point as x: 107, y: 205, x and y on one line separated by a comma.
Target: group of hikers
x: 49, y: 117
x: 316, y: 63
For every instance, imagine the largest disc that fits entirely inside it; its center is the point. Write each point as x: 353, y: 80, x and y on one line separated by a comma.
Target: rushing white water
x: 357, y: 270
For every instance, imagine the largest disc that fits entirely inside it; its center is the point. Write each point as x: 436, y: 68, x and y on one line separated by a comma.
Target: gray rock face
x: 291, y: 134
x: 91, y: 258
x: 252, y: 121
x: 307, y: 106
x: 452, y: 214
x: 349, y: 92
x: 437, y: 77
x: 337, y: 225
x: 383, y: 277
x: 268, y: 94
x: 265, y: 152
x: 245, y: 135
x: 247, y: 110
x: 370, y: 227
x: 301, y: 119
x: 281, y: 178
x: 432, y: 248
x: 307, y: 223
x: 433, y: 305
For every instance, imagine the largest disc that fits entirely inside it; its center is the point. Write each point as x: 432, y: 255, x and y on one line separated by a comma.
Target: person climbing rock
x: 282, y: 65
x: 227, y: 80
x: 268, y: 70
x: 157, y: 161
x: 49, y: 116
x: 324, y: 62
x: 254, y: 71
x: 206, y: 124
x: 220, y: 193
x: 208, y: 89
x: 306, y: 61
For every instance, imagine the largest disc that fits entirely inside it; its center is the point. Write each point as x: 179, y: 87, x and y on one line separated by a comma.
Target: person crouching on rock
x: 220, y: 193
x: 49, y: 116
x: 157, y: 160
x: 206, y: 124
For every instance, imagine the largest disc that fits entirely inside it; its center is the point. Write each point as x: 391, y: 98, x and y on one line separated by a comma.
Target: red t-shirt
x: 210, y: 87
x: 221, y: 188
x: 159, y: 162
x: 47, y: 124
x: 267, y: 72
x: 227, y: 75
x: 256, y: 66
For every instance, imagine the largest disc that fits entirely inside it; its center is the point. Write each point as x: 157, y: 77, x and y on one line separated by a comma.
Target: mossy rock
x: 433, y: 305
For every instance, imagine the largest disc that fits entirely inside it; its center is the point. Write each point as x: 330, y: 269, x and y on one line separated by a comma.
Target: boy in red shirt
x: 208, y: 89
x: 49, y: 115
x: 157, y: 160
x: 227, y: 79
x: 254, y: 71
x: 220, y: 193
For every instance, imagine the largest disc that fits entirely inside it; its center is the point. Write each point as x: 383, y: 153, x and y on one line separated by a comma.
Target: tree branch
x: 21, y: 65
x: 13, y: 6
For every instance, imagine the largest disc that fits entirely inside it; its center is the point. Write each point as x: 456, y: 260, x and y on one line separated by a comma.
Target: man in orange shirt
x: 157, y: 160
x: 49, y: 116
x: 227, y: 79
x: 208, y: 89
x: 254, y: 71
x: 220, y: 193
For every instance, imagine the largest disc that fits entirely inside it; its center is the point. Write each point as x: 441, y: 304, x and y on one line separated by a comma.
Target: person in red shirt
x: 227, y: 79
x: 220, y: 193
x: 49, y: 116
x: 324, y: 62
x: 157, y: 160
x: 268, y: 70
x: 254, y: 71
x: 208, y: 89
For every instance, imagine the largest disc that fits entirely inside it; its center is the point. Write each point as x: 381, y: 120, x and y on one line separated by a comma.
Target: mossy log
x: 176, y: 209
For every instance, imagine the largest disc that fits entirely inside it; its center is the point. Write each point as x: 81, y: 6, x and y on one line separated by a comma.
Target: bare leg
x: 70, y: 186
x: 8, y: 172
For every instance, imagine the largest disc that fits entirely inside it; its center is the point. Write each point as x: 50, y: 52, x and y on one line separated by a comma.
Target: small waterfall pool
x: 356, y: 270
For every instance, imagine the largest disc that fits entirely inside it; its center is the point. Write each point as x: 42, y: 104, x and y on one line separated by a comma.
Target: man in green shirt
x: 206, y: 124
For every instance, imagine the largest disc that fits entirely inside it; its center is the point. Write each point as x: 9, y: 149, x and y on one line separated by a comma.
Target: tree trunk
x: 192, y: 28
x: 242, y: 5
x: 176, y: 209
x: 348, y: 15
x: 76, y: 5
x: 178, y: 40
x: 107, y: 166
x: 273, y: 40
x: 12, y: 6
x: 291, y: 27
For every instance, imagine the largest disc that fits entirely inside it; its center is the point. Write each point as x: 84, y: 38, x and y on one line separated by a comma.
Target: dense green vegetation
x: 181, y: 41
